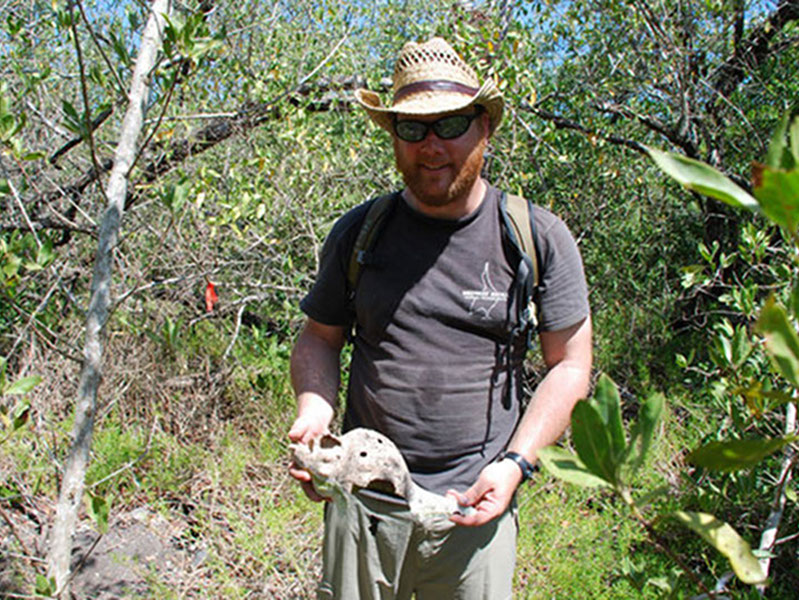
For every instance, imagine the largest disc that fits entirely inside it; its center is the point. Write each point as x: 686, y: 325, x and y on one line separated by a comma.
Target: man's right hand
x: 314, y: 416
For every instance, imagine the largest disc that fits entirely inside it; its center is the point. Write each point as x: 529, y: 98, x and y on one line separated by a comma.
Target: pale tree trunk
x: 769, y: 535
x: 72, y: 484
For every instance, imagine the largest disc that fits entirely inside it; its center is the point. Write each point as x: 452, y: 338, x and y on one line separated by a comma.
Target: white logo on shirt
x: 483, y: 301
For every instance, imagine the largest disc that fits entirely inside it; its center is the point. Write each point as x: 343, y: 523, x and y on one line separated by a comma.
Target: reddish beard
x: 458, y: 188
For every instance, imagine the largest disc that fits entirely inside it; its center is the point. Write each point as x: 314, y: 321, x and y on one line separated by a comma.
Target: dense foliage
x: 250, y: 150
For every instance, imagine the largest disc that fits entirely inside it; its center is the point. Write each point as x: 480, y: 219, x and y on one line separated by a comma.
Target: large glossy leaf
x: 735, y: 455
x: 608, y: 403
x: 777, y: 191
x: 566, y: 466
x: 782, y: 341
x: 776, y: 156
x: 702, y: 178
x: 726, y: 540
x: 783, y: 150
x: 592, y: 441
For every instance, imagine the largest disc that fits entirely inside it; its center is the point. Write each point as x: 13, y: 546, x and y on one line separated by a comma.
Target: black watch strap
x: 528, y: 470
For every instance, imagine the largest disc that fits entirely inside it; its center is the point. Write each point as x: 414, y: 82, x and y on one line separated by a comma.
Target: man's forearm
x: 315, y: 367
x: 549, y: 411
x: 566, y: 382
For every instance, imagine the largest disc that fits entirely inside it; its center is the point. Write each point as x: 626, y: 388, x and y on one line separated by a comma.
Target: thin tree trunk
x: 72, y: 485
x: 769, y: 535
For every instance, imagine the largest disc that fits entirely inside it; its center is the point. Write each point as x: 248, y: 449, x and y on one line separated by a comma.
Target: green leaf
x: 72, y: 120
x: 790, y: 494
x: 782, y: 341
x: 23, y: 386
x: 99, y: 509
x: 727, y: 541
x: 566, y: 466
x: 44, y: 586
x: 775, y: 157
x: 592, y: 441
x: 794, y: 139
x: 608, y: 403
x: 794, y: 303
x: 778, y: 194
x: 21, y: 414
x: 735, y: 455
x: 702, y: 178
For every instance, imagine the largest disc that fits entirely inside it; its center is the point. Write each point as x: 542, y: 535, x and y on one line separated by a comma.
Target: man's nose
x: 430, y: 141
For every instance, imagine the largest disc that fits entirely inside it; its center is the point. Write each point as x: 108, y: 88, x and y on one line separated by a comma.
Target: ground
x: 141, y: 549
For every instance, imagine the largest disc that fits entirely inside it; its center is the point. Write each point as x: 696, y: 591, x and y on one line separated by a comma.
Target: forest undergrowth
x: 251, y: 147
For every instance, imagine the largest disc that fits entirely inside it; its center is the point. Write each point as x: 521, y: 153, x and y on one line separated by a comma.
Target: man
x: 434, y: 366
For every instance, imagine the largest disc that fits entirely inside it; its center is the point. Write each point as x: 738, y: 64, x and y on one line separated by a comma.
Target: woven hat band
x: 434, y: 86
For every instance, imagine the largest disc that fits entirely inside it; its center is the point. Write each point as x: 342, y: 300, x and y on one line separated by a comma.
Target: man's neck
x: 456, y: 209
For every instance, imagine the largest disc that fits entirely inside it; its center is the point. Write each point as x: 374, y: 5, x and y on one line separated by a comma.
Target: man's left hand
x: 491, y: 495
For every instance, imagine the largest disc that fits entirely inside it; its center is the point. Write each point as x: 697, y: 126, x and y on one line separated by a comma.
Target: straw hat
x: 431, y: 78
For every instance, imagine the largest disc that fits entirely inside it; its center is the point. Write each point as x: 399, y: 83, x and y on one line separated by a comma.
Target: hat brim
x: 431, y: 103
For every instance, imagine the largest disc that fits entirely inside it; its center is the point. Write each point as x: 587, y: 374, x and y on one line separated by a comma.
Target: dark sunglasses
x: 446, y: 128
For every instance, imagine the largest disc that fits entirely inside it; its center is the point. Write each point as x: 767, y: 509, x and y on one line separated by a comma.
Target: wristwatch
x: 528, y: 470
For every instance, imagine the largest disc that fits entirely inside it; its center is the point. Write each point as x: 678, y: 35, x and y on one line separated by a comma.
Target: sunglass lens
x: 411, y: 131
x: 451, y: 127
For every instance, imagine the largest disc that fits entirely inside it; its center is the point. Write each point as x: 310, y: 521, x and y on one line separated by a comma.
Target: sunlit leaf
x: 23, y: 386
x: 44, y: 586
x: 793, y: 135
x: 99, y: 508
x: 592, y: 441
x: 735, y: 455
x: 782, y: 341
x: 778, y: 155
x: 726, y: 540
x: 702, y: 178
x: 777, y: 191
x: 566, y: 466
x: 608, y: 403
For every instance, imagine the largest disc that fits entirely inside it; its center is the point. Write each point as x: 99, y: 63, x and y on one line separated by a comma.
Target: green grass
x: 572, y: 543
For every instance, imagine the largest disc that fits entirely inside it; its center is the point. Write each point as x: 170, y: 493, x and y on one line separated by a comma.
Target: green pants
x: 374, y: 551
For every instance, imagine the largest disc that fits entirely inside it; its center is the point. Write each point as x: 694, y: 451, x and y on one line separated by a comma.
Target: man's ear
x: 485, y: 121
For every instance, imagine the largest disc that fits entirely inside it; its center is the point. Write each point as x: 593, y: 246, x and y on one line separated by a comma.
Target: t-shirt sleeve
x: 327, y: 301
x: 563, y: 293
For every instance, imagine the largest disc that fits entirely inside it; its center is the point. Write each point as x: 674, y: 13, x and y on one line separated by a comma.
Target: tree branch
x: 564, y: 123
x: 96, y: 122
x: 751, y: 53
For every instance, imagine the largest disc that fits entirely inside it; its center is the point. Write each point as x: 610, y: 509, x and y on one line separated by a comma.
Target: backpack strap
x: 519, y: 224
x: 367, y: 237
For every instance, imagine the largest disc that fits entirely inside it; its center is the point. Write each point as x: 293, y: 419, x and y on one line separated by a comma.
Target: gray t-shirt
x: 432, y: 328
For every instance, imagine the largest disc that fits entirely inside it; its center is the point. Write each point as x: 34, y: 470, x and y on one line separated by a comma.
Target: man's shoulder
x: 544, y: 218
x: 346, y: 227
